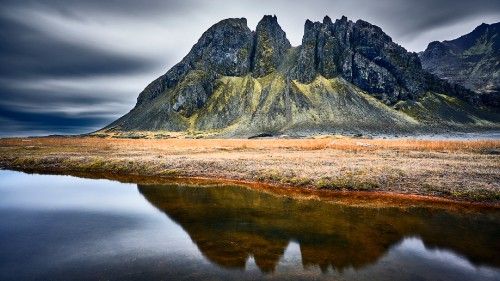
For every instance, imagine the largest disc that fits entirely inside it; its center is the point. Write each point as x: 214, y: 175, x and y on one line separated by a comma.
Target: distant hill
x: 345, y: 77
x: 472, y: 61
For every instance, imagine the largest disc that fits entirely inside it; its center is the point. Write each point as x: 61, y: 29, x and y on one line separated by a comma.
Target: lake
x: 69, y: 228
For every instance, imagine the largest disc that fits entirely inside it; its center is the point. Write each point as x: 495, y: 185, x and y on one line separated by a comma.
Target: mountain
x: 345, y: 77
x: 472, y: 61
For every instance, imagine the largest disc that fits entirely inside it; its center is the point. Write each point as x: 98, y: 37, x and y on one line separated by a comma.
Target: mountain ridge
x: 472, y: 60
x: 238, y: 82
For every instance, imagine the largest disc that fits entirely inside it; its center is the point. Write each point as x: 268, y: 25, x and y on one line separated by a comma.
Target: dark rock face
x: 192, y: 93
x: 271, y: 46
x: 307, y: 62
x: 362, y: 54
x: 223, y: 50
x: 253, y: 82
x: 472, y: 61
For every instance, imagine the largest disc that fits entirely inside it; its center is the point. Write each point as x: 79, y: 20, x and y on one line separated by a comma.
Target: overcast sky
x: 70, y: 66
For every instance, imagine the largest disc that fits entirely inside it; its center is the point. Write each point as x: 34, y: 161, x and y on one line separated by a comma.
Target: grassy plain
x: 458, y: 170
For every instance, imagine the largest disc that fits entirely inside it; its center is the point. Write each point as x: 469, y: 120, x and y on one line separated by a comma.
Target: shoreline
x: 454, y: 171
x: 351, y: 198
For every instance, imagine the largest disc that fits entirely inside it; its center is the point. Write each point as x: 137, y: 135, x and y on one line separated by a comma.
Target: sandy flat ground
x: 459, y: 170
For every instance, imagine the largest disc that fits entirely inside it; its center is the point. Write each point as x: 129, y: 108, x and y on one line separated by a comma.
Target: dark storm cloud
x: 72, y: 8
x: 73, y: 66
x: 408, y: 21
x: 32, y: 124
x: 25, y: 100
x: 25, y: 53
x: 424, y: 15
x: 55, y: 111
x: 30, y: 57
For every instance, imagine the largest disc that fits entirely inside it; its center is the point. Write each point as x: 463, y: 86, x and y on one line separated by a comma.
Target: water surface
x: 67, y: 228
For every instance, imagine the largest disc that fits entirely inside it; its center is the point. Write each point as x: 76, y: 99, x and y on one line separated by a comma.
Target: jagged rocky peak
x: 327, y: 20
x: 307, y: 62
x: 362, y: 54
x: 359, y: 52
x: 223, y: 50
x: 271, y: 46
x: 228, y: 48
x: 315, y: 86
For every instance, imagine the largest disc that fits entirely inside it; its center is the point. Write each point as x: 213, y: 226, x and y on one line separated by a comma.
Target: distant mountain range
x: 345, y: 77
x: 472, y: 60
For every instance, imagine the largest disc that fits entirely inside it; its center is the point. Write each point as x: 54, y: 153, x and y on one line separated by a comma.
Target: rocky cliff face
x: 472, y: 61
x: 270, y: 47
x: 363, y: 55
x: 346, y: 76
x: 223, y: 50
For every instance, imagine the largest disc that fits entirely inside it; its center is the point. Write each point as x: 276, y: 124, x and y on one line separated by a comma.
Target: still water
x: 68, y: 228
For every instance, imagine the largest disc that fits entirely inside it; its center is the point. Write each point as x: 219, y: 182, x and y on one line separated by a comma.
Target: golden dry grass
x: 302, y: 144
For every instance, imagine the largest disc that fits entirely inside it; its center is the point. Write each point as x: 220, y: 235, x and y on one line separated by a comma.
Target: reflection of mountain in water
x: 230, y: 223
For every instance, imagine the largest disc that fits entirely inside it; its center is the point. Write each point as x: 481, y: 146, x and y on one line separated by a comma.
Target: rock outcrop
x: 363, y: 55
x: 271, y: 46
x: 223, y: 50
x: 346, y: 76
x: 472, y: 61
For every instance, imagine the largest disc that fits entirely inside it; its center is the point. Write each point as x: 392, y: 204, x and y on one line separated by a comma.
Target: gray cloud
x: 74, y: 66
x: 26, y: 53
x: 44, y: 113
x: 19, y: 124
x: 73, y: 8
